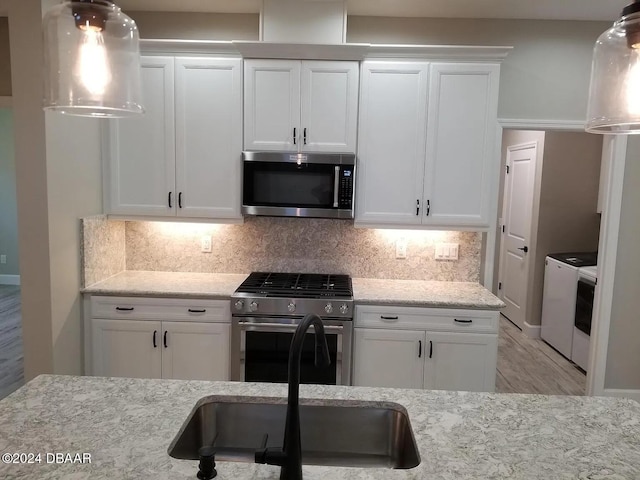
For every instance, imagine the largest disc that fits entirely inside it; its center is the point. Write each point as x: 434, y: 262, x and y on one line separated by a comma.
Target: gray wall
x: 8, y: 212
x: 201, y: 26
x: 546, y: 76
x: 623, y: 356
x: 5, y: 59
x: 567, y: 218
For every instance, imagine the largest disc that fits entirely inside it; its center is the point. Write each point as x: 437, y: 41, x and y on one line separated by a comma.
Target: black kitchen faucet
x: 290, y: 456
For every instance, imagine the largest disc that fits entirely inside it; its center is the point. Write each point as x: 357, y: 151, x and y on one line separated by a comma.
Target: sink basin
x: 334, y: 432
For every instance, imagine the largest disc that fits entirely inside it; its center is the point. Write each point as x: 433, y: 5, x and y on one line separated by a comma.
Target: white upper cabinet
x: 427, y: 144
x: 208, y: 137
x: 183, y: 156
x: 140, y: 151
x: 300, y: 106
x: 461, y: 136
x: 391, y: 144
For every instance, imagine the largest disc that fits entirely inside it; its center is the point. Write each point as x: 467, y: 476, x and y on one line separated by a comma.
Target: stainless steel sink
x: 339, y: 433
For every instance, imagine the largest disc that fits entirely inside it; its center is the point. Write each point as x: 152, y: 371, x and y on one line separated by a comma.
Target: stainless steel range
x: 266, y: 310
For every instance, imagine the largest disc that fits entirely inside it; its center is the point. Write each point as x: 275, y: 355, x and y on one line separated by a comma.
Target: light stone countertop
x: 168, y: 284
x: 127, y: 426
x: 420, y: 293
x: 365, y: 290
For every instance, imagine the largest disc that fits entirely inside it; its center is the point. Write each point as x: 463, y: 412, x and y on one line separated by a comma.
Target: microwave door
x: 289, y: 189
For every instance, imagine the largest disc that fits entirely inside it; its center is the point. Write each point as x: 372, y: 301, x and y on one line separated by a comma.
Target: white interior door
x: 517, y: 213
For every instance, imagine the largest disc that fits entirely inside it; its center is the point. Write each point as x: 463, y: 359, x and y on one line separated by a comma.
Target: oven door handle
x: 283, y: 326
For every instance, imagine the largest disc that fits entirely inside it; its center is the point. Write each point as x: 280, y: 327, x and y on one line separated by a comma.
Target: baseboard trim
x: 531, y: 331
x: 615, y: 392
x: 9, y: 279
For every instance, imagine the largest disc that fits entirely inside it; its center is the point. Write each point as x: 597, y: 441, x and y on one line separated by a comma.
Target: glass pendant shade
x: 614, y: 93
x: 92, y: 60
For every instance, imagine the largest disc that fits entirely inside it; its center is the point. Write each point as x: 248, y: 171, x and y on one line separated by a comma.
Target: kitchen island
x: 126, y: 425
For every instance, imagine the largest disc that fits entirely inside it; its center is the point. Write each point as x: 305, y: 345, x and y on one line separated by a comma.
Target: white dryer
x: 559, y: 298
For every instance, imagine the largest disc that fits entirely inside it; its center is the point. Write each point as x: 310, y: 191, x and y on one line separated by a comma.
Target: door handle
x: 417, y: 207
x: 419, y: 348
x: 165, y: 339
x: 304, y: 135
x: 525, y: 249
x: 180, y: 200
x: 170, y: 206
x: 294, y: 135
x: 155, y: 345
x: 430, y: 349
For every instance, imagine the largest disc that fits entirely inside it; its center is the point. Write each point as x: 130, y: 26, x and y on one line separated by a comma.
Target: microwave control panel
x: 345, y: 189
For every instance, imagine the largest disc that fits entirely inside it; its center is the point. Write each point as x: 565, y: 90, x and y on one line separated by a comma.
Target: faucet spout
x: 290, y: 457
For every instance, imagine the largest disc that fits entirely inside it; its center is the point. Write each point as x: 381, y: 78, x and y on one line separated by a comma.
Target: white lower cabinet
x: 438, y: 349
x: 134, y: 339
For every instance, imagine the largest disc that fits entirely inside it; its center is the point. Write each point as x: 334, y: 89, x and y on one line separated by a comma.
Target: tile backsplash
x: 299, y: 245
x: 273, y: 244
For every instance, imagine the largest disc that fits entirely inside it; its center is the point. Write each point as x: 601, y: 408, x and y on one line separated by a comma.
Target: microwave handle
x: 336, y: 183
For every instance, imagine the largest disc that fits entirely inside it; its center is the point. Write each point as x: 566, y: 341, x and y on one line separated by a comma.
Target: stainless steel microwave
x: 282, y: 184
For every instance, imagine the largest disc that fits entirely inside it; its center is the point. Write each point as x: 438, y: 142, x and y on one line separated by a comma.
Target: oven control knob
x: 328, y: 308
x: 291, y: 307
x: 253, y: 306
x: 239, y: 304
x: 344, y: 308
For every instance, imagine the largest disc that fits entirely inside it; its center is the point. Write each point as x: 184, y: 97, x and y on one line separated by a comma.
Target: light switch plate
x: 447, y: 251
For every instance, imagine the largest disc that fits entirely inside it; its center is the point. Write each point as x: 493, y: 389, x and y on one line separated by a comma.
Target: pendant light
x: 614, y: 94
x: 92, y: 60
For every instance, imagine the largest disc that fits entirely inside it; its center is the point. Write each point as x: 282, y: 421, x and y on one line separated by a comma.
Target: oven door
x: 260, y: 351
x: 584, y: 305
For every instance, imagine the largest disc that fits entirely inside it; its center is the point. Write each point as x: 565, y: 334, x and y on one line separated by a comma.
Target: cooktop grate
x: 307, y: 285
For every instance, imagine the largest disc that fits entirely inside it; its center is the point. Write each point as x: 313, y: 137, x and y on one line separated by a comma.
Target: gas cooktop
x: 293, y: 295
x: 298, y: 285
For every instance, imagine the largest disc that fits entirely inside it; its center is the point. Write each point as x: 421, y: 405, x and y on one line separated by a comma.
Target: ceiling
x: 607, y: 10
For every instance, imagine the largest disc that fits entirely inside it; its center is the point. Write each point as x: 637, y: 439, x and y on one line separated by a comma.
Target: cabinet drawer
x: 173, y: 309
x: 434, y: 319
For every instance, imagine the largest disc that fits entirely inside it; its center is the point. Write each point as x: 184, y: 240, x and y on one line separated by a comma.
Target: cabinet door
x: 208, y: 137
x: 329, y: 106
x: 140, y: 151
x: 391, y: 143
x: 388, y: 358
x: 126, y: 348
x: 461, y: 144
x: 195, y: 351
x: 272, y: 105
x: 461, y: 361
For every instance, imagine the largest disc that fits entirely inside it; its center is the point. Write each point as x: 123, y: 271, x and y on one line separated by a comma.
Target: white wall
x: 8, y: 207
x: 58, y: 181
x: 623, y: 355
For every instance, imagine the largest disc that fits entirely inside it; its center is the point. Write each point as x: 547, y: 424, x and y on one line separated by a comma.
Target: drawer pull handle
x: 462, y: 321
x: 384, y: 317
x: 155, y: 345
x: 125, y: 309
x: 193, y: 310
x: 165, y: 339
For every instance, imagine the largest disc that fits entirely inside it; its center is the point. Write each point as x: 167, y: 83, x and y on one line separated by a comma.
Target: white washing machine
x: 559, y: 298
x: 585, y: 292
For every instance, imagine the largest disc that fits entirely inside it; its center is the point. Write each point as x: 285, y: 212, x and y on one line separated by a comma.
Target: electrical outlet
x: 401, y: 248
x: 3, y: 259
x: 205, y: 244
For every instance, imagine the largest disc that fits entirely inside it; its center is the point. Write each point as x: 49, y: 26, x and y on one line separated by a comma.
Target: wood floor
x: 527, y: 365
x: 11, y: 353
